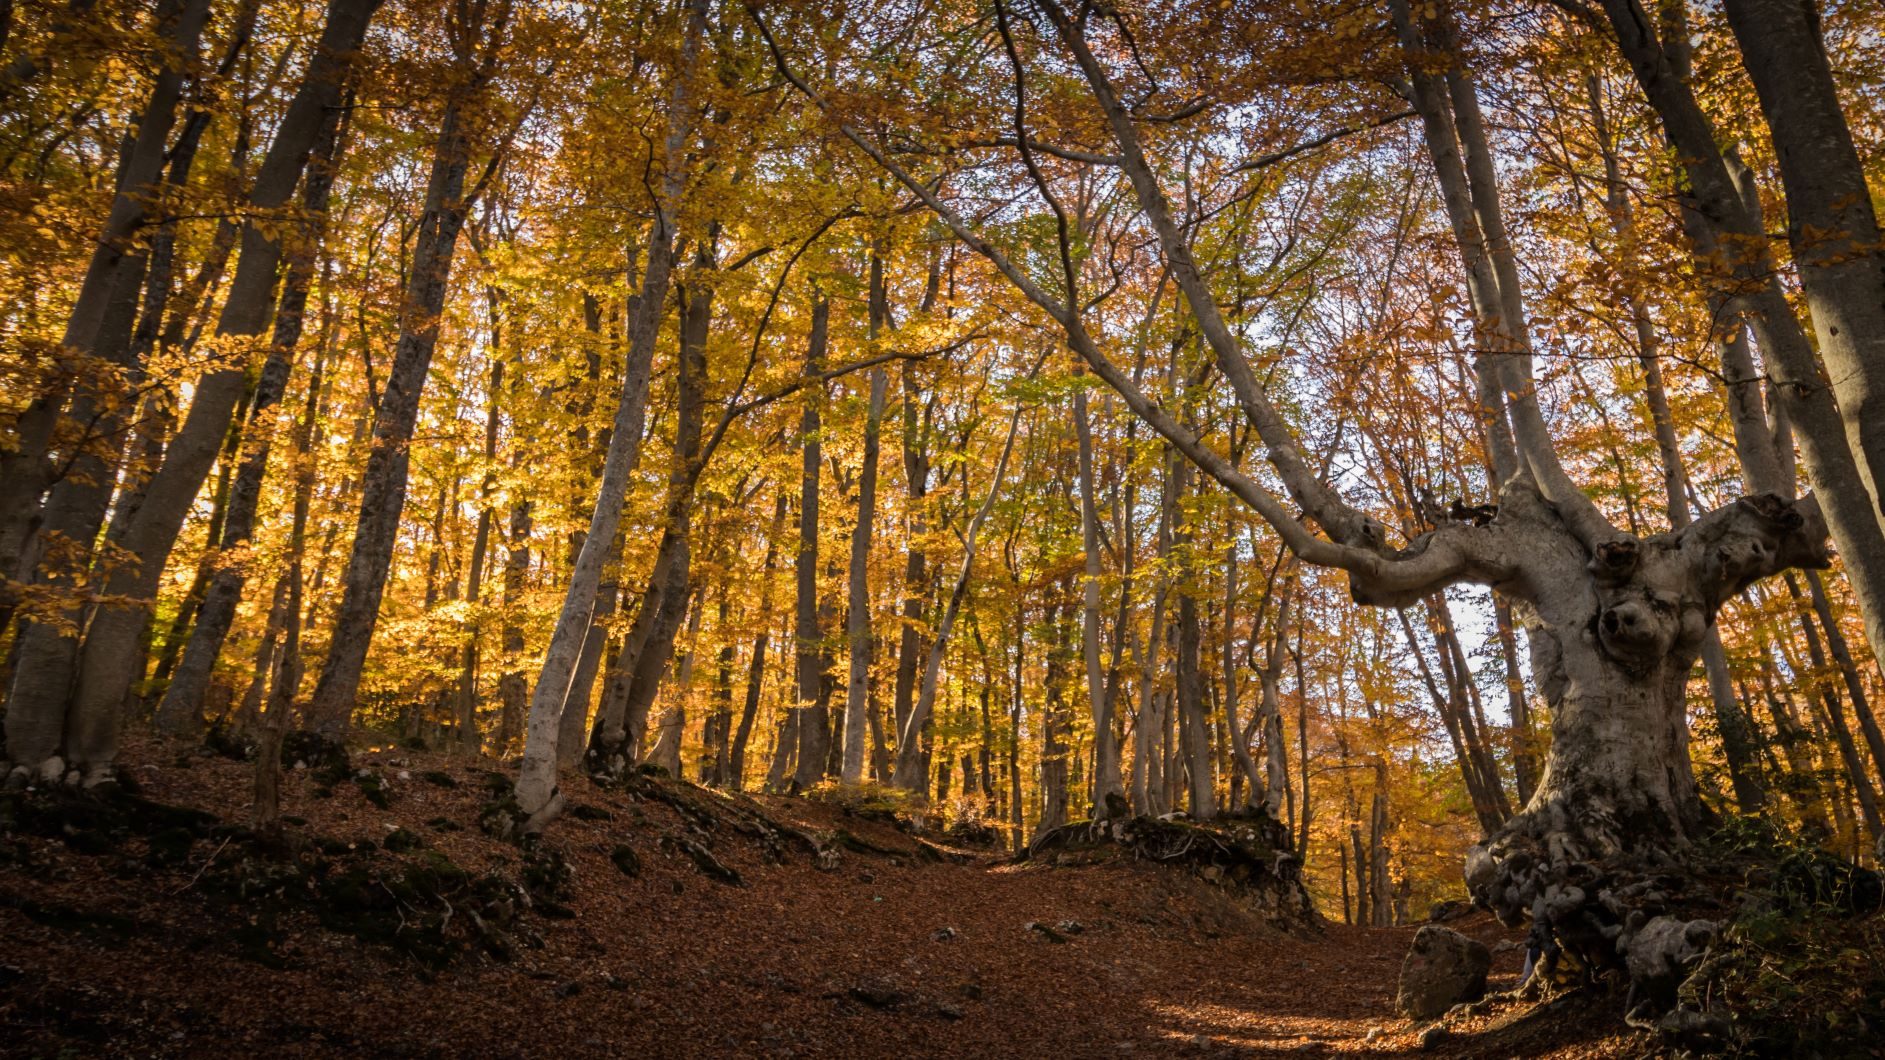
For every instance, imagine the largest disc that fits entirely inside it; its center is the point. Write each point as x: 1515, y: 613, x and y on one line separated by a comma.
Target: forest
x: 942, y: 527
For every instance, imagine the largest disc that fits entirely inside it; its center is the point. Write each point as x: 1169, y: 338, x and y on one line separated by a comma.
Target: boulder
x: 1442, y: 969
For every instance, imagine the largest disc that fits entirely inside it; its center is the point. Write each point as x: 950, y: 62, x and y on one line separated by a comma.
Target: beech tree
x: 1616, y: 619
x: 1355, y: 422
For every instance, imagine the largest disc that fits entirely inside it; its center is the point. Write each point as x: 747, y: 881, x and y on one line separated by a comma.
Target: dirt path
x: 882, y: 954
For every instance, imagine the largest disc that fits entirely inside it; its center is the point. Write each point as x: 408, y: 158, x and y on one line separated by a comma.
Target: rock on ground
x: 1442, y: 969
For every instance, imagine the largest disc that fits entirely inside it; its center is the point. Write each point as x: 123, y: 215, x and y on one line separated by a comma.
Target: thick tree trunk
x: 1831, y: 221
x: 1614, y: 639
x: 1736, y: 732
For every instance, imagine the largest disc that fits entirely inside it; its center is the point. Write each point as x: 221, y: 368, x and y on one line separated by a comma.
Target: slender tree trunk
x: 1863, y: 787
x: 717, y: 733
x: 756, y: 666
x: 910, y: 645
x: 513, y: 687
x: 1054, y: 750
x: 814, y: 724
x: 910, y: 773
x: 857, y: 625
x: 1194, y: 727
x: 1108, y: 795
x: 383, y: 484
x: 181, y: 708
x: 537, y: 793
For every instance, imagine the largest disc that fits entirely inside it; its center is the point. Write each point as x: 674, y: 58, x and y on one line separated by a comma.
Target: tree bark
x: 1108, y: 795
x: 814, y: 724
x: 1831, y: 222
x: 383, y: 483
x: 756, y: 666
x: 180, y: 711
x: 911, y: 774
x: 857, y: 704
x: 537, y: 793
x: 1194, y: 734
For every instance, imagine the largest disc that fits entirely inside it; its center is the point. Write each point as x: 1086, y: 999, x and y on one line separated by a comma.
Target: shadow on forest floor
x: 664, y: 919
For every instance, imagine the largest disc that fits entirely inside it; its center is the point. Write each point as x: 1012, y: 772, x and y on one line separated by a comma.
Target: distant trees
x: 1365, y: 419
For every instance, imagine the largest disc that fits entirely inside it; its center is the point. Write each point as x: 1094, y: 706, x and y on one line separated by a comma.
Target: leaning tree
x: 1616, y: 620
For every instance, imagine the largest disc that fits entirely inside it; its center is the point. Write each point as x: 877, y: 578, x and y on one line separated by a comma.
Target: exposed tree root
x: 1245, y: 855
x: 1651, y: 918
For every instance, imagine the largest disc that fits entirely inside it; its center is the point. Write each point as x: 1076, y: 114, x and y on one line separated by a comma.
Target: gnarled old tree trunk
x: 1617, y: 619
x: 1615, y: 633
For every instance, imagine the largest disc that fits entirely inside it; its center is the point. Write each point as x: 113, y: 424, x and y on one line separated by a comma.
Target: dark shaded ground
x: 138, y: 947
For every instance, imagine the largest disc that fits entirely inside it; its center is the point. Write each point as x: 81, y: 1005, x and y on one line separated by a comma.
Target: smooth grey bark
x: 916, y: 588
x: 1243, y: 768
x: 910, y: 773
x: 857, y: 702
x: 1730, y: 244
x: 1737, y: 737
x: 383, y: 483
x: 180, y: 710
x: 1148, y: 761
x: 1188, y: 686
x: 536, y: 782
x: 1054, y: 718
x: 1831, y: 222
x: 669, y: 592
x: 574, y: 719
x: 813, y: 728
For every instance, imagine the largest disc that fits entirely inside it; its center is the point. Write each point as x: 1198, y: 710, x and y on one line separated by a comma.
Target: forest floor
x: 168, y: 935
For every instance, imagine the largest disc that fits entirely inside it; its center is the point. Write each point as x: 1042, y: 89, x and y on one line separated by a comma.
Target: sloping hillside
x: 665, y: 918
